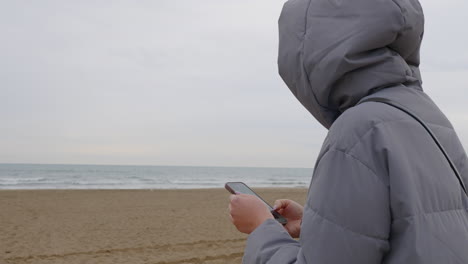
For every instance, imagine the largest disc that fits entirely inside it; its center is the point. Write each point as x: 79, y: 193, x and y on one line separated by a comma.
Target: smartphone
x: 241, y: 187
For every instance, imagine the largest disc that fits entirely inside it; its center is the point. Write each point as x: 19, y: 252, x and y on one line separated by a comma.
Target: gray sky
x: 176, y: 82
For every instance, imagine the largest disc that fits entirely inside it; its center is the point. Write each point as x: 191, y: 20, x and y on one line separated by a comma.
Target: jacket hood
x: 332, y: 53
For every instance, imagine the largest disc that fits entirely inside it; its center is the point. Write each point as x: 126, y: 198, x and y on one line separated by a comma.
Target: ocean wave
x: 31, y: 176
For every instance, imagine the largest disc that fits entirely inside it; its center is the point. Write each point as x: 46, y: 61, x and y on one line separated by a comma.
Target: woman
x: 382, y: 191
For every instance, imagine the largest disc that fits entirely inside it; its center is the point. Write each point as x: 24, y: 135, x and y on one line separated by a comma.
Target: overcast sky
x: 184, y: 82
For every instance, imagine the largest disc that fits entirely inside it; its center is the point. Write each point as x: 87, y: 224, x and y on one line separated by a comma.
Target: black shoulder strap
x: 404, y: 109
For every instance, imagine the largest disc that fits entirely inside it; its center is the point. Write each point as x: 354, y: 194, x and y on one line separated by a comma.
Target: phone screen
x: 242, y: 188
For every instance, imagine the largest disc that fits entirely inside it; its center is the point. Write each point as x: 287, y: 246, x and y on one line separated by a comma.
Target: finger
x: 232, y: 197
x: 238, y: 194
x: 281, y: 203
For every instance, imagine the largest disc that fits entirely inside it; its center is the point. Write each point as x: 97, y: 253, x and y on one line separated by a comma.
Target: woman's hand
x: 248, y: 212
x: 293, y: 212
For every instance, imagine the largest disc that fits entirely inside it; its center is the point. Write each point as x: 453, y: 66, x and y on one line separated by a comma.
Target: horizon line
x: 147, y: 165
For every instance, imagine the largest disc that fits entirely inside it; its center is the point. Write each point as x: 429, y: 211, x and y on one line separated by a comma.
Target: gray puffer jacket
x: 382, y: 191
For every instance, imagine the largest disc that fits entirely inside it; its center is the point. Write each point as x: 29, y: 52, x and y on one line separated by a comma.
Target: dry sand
x: 122, y: 226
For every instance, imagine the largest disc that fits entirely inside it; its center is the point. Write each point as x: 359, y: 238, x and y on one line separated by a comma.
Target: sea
x: 47, y: 176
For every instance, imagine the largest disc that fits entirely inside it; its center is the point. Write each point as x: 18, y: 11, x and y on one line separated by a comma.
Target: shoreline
x: 123, y: 225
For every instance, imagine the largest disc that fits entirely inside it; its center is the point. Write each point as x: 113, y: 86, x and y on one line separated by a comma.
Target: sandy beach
x: 122, y: 226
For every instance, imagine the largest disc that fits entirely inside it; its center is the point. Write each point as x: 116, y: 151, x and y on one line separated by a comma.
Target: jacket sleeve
x: 346, y: 219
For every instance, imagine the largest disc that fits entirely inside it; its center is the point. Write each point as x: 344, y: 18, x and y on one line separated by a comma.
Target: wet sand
x: 122, y: 226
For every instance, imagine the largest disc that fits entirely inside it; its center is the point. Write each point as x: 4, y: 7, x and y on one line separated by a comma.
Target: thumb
x: 280, y: 204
